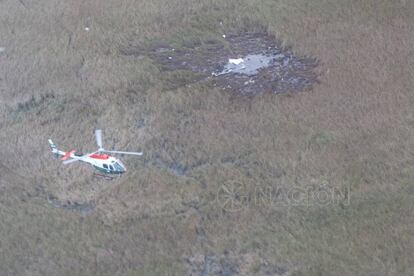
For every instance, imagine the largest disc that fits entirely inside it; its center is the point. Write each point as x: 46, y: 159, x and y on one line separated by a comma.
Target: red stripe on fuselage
x: 99, y: 156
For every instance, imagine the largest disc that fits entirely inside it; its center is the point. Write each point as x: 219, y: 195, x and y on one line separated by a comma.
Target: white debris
x: 249, y: 65
x: 249, y: 82
x: 236, y: 61
x: 87, y: 29
x: 224, y: 36
x: 169, y: 57
x: 279, y: 56
x: 2, y: 49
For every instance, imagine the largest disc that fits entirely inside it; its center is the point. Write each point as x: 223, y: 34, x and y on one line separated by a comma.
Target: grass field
x: 353, y: 132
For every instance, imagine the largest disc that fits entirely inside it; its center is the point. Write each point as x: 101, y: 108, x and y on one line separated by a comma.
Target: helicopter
x: 99, y: 159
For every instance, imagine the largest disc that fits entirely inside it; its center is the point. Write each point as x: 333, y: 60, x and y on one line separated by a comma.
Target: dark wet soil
x: 40, y: 192
x: 227, y: 265
x: 70, y: 205
x: 266, y: 67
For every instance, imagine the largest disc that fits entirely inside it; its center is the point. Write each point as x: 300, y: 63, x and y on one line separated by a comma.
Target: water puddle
x: 249, y: 65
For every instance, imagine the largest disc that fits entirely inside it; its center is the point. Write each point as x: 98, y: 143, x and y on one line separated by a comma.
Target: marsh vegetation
x: 70, y: 67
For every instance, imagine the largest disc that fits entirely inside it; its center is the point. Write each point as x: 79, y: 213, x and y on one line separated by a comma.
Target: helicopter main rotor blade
x: 98, y: 135
x: 75, y: 158
x: 124, y: 152
x: 70, y: 161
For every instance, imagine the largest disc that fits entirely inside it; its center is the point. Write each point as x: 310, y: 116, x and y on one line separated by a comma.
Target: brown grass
x: 355, y: 129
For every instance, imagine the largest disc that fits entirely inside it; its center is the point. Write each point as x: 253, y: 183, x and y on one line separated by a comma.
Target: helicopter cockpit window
x: 111, y: 168
x: 117, y: 166
x: 105, y: 166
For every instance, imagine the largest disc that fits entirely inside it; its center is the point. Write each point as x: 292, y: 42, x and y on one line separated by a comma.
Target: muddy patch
x: 84, y: 208
x: 248, y: 64
x: 40, y: 192
x: 231, y: 264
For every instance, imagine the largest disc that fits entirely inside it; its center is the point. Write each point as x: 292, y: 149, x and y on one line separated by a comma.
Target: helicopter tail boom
x: 55, y: 150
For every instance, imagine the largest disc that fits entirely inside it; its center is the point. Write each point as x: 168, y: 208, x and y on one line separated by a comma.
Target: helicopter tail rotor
x: 52, y: 145
x: 55, y: 150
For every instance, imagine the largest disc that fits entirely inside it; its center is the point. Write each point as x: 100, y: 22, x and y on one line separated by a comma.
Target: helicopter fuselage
x: 100, y: 161
x: 106, y: 163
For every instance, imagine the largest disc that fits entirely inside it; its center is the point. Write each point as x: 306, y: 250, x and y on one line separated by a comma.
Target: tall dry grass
x: 355, y: 129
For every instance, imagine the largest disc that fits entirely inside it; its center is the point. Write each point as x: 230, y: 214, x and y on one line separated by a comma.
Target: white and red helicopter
x: 99, y: 159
